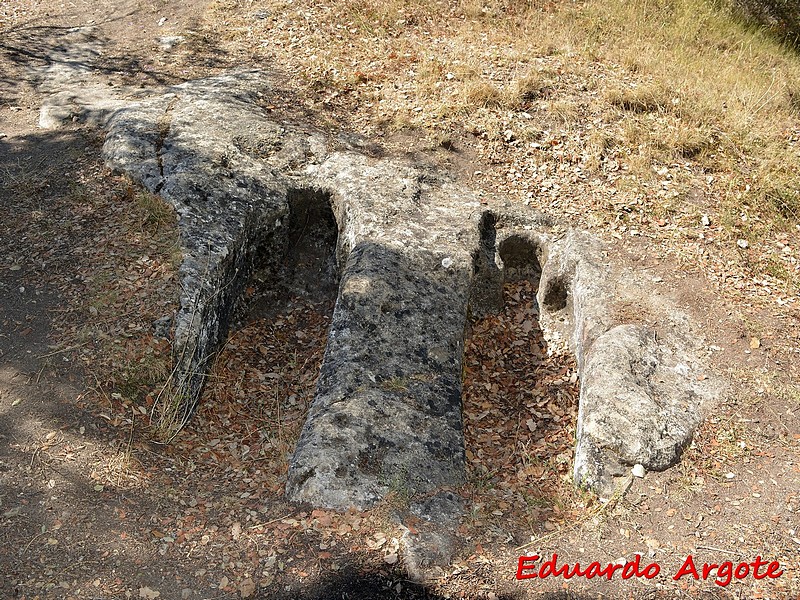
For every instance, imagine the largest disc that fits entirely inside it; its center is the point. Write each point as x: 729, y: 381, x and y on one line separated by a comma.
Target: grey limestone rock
x: 185, y: 144
x: 387, y: 412
x: 416, y: 252
x: 638, y: 402
x: 637, y: 406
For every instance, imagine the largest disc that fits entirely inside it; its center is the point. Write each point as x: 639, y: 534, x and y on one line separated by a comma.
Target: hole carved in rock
x: 555, y: 295
x: 521, y: 259
x: 303, y: 263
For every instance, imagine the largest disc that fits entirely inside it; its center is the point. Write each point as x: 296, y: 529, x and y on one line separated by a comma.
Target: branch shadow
x: 779, y: 18
x: 29, y: 48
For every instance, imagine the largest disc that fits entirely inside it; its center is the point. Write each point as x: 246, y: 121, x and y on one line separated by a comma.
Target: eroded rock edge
x: 416, y: 251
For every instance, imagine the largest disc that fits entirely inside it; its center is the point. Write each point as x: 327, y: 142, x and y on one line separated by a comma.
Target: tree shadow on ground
x: 28, y: 49
x: 781, y: 18
x: 351, y: 584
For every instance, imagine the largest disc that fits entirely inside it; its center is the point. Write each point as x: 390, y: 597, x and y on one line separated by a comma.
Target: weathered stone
x: 168, y: 42
x: 185, y: 144
x: 77, y: 93
x: 91, y: 104
x: 486, y: 294
x: 387, y: 412
x: 415, y: 252
x: 444, y: 507
x: 638, y: 402
x: 432, y: 542
x: 575, y: 294
x: 162, y: 327
x: 424, y: 551
x: 637, y: 406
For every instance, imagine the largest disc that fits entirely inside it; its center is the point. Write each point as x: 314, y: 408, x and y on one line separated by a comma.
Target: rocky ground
x: 93, y: 506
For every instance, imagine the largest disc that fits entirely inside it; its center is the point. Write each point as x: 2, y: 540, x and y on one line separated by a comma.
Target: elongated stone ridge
x: 387, y: 413
x: 415, y: 253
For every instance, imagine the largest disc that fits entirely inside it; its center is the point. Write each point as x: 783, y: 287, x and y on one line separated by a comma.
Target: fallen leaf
x: 247, y: 588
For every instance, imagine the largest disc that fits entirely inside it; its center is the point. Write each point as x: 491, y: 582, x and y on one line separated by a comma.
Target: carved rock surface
x: 641, y: 396
x: 637, y: 406
x: 186, y: 144
x: 387, y: 413
x: 416, y: 252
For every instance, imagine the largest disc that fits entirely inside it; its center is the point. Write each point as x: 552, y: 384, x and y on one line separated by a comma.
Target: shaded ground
x: 91, y: 506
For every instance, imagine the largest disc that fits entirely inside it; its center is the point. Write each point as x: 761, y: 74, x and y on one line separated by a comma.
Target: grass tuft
x: 648, y: 98
x: 153, y: 212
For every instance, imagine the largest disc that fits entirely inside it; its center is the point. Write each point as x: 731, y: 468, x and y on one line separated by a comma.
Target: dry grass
x: 153, y: 212
x: 632, y: 87
x: 722, y: 95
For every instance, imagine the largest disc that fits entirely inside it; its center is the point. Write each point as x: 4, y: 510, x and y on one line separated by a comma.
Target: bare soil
x: 93, y: 506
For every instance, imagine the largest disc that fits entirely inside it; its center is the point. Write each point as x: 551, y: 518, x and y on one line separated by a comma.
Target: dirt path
x: 92, y: 507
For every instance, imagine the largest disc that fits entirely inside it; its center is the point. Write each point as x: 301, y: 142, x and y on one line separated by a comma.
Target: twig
x: 130, y: 435
x: 713, y: 548
x: 539, y: 540
x: 39, y: 374
x: 102, y: 391
x: 777, y: 416
x: 127, y: 453
x: 33, y: 539
x: 67, y: 349
x: 272, y: 521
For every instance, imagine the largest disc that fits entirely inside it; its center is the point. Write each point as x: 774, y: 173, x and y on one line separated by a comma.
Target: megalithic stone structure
x: 416, y: 252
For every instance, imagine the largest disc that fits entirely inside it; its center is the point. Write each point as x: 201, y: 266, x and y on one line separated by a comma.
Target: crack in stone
x: 164, y: 126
